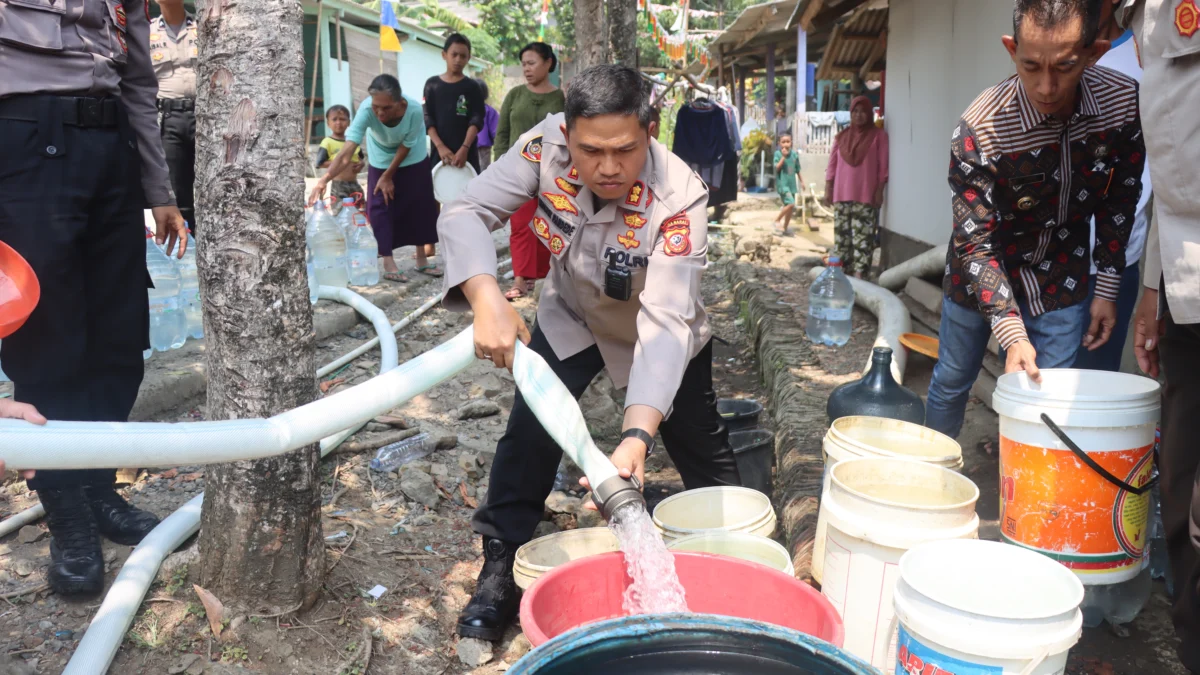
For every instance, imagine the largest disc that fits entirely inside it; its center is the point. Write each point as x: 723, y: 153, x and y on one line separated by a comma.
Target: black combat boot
x: 76, y: 565
x: 496, y: 599
x: 117, y: 520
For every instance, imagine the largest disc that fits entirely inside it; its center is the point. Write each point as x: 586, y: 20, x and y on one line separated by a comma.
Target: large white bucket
x: 878, y: 508
x: 734, y: 509
x: 861, y: 436
x: 543, y: 554
x: 1055, y: 504
x: 982, y: 607
x: 739, y: 545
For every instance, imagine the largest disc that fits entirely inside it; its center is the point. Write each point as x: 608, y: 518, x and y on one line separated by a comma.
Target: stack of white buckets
x: 897, y: 550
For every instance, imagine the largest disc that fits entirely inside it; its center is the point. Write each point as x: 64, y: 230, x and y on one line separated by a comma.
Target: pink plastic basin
x: 590, y: 589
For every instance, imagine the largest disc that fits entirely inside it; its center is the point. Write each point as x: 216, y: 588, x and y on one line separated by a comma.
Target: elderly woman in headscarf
x: 854, y: 183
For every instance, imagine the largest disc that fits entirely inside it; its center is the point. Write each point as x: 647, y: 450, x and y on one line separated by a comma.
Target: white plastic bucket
x: 982, y: 607
x: 545, y: 553
x: 862, y: 436
x: 878, y: 508
x: 731, y: 509
x: 1093, y: 527
x: 742, y: 545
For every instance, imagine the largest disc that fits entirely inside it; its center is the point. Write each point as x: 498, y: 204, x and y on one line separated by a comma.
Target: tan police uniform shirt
x: 1167, y: 34
x: 174, y: 58
x: 659, y: 231
x: 88, y: 48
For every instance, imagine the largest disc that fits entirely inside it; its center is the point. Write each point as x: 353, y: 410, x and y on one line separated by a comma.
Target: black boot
x: 77, y: 565
x: 496, y: 599
x: 117, y: 520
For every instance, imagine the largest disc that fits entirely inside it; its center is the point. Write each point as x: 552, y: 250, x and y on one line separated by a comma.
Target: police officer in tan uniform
x: 173, y: 53
x: 81, y: 159
x: 626, y: 225
x: 1167, y: 321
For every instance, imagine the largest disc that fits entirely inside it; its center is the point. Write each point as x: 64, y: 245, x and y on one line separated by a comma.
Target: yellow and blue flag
x: 389, y: 41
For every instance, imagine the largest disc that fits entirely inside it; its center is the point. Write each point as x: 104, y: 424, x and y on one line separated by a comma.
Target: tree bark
x: 260, y: 534
x: 622, y: 22
x: 591, y: 38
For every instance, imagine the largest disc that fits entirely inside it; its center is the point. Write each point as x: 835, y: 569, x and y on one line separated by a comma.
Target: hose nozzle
x: 616, y: 492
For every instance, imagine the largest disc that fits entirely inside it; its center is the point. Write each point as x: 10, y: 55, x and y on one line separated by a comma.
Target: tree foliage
x: 512, y: 24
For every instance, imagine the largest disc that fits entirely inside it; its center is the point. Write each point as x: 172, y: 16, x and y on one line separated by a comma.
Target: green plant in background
x: 752, y: 146
x: 666, y: 124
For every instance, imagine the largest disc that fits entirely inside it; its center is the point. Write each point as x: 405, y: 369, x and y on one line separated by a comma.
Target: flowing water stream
x: 655, y: 588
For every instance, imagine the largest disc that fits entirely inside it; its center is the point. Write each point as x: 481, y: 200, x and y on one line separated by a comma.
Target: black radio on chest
x: 618, y: 281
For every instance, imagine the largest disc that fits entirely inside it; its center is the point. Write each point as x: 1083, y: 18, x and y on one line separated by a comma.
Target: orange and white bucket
x: 1088, y: 507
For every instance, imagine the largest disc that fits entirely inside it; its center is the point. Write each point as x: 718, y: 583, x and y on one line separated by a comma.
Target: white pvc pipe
x: 396, y: 328
x: 892, y: 315
x: 104, y: 636
x: 928, y: 263
x: 19, y: 520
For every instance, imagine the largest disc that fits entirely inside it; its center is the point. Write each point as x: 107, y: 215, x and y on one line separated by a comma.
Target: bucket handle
x: 1083, y: 457
x: 1037, y: 661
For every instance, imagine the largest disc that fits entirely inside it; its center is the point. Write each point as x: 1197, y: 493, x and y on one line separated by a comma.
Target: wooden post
x: 740, y: 76
x: 312, y: 97
x: 801, y: 126
x: 770, y: 87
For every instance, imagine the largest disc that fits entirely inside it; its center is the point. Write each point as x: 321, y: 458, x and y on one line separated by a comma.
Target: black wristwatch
x: 641, y: 436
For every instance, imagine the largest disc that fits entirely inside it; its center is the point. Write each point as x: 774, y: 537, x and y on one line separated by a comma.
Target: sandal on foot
x: 514, y: 293
x: 396, y: 277
x: 431, y: 270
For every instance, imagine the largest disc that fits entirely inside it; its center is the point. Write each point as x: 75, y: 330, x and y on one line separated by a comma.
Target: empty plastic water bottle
x: 329, y: 249
x: 312, y: 275
x: 830, y: 305
x: 396, y: 455
x: 363, y: 253
x: 190, y: 295
x: 168, y: 325
x: 346, y: 217
x: 1118, y: 604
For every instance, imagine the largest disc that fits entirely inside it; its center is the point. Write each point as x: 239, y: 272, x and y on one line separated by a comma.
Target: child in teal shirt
x: 787, y: 182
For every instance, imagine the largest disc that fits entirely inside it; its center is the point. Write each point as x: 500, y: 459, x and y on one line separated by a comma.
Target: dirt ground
x: 408, y: 532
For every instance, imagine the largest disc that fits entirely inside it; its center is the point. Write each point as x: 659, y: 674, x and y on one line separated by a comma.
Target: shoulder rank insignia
x: 1187, y: 18
x: 573, y: 174
x: 677, y: 239
x: 633, y: 220
x: 564, y: 185
x: 556, y: 244
x: 541, y: 228
x: 119, y: 12
x: 561, y: 203
x: 629, y: 240
x: 121, y: 41
x: 634, y: 198
x: 533, y: 149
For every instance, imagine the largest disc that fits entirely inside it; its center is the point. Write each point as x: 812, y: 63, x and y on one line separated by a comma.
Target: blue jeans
x: 1108, y: 356
x: 964, y: 335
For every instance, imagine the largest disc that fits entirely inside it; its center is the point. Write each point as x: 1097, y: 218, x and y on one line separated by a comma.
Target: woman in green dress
x: 523, y: 108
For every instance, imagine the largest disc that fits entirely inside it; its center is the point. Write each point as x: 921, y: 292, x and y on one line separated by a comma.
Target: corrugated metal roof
x: 854, y: 43
x: 754, y: 21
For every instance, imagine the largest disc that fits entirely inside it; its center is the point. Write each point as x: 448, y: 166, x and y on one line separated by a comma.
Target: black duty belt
x: 177, y: 104
x: 76, y: 111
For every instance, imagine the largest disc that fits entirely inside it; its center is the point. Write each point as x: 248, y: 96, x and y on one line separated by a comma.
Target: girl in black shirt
x: 454, y: 108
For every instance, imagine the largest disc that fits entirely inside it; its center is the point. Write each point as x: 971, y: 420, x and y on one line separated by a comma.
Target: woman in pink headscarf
x: 854, y: 183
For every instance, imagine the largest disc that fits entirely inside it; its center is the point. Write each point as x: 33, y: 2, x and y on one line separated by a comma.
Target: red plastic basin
x: 590, y: 589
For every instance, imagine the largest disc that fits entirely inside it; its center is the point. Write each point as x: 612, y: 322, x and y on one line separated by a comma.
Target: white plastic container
x: 329, y: 249
x: 878, y: 508
x: 1097, y: 529
x: 168, y: 324
x: 981, y: 607
x: 741, y: 545
x: 193, y: 308
x: 862, y: 436
x: 363, y: 252
x: 545, y: 553
x: 449, y: 182
x: 731, y: 509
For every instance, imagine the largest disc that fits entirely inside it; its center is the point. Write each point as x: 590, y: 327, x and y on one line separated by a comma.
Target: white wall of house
x: 941, y: 55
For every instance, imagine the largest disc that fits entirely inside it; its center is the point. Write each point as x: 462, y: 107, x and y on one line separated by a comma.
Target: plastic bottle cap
x: 835, y: 261
x: 347, y: 200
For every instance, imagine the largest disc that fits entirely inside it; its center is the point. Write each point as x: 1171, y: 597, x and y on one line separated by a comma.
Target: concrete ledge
x: 796, y: 407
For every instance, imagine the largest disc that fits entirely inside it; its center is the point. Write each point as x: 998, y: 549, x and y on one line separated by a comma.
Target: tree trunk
x: 622, y: 23
x: 591, y: 38
x: 260, y: 536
